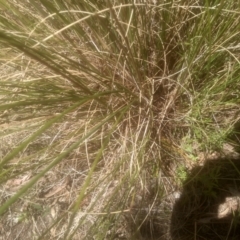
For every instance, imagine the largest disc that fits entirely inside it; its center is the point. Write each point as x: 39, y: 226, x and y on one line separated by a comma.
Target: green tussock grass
x: 103, y: 103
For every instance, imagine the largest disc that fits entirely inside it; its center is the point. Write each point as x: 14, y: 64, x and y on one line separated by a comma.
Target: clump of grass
x: 97, y: 98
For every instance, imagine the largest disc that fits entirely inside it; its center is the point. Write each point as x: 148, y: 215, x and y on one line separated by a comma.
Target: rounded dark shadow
x: 209, y: 205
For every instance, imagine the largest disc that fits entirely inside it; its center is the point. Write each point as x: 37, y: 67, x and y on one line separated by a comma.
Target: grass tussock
x: 102, y: 104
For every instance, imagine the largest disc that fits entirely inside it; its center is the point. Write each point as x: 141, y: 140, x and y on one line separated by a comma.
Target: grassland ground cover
x: 105, y: 109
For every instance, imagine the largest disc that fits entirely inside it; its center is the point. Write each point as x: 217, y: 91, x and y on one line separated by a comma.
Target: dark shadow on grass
x: 208, y: 207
